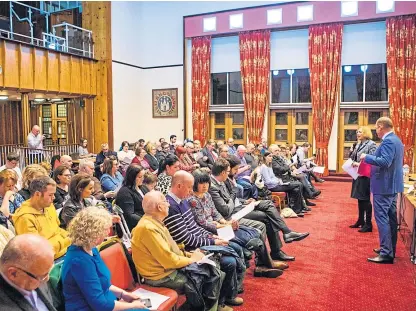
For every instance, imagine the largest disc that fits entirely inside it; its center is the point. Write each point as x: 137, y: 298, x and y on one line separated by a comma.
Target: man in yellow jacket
x: 38, y: 215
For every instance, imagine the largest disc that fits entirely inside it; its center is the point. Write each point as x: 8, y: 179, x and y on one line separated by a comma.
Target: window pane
x: 220, y: 134
x: 376, y: 82
x: 238, y: 118
x: 352, y: 84
x: 236, y: 91
x: 281, y: 118
x: 280, y: 86
x: 220, y: 118
x: 301, y: 135
x: 280, y: 135
x: 219, y: 88
x: 302, y: 118
x: 373, y: 116
x: 238, y: 134
x: 61, y: 111
x: 375, y: 137
x: 346, y: 152
x: 301, y: 86
x: 351, y: 117
x: 350, y: 135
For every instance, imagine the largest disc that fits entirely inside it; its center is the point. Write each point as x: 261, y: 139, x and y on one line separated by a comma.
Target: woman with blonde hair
x: 30, y: 173
x: 361, y: 186
x: 151, y: 157
x: 9, y: 200
x: 85, y: 277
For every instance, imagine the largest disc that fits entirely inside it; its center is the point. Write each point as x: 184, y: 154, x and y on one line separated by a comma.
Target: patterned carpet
x: 331, y: 271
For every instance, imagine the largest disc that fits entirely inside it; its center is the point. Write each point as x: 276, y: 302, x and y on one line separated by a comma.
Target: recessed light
x: 274, y: 16
x: 290, y: 72
x: 4, y: 97
x: 347, y: 69
x: 210, y: 24
x: 384, y: 6
x: 275, y: 72
x: 39, y: 100
x: 364, y: 68
x: 305, y: 13
x: 236, y: 21
x: 349, y: 8
x: 56, y: 99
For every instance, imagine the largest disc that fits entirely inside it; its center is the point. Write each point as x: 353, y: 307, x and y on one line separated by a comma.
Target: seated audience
x: 157, y: 257
x: 55, y: 161
x: 83, y: 150
x: 48, y: 167
x: 243, y: 175
x: 85, y: 277
x: 66, y: 160
x: 149, y: 182
x: 302, y: 152
x: 5, y: 236
x: 30, y: 173
x: 62, y: 177
x: 167, y: 169
x: 12, y: 161
x: 151, y: 158
x: 9, y: 199
x: 185, y: 164
x: 219, y: 144
x: 140, y: 158
x: 125, y: 156
x: 80, y: 191
x: 99, y: 160
x: 223, y: 152
x: 232, y: 149
x: 24, y: 270
x: 130, y: 195
x: 38, y: 215
x: 209, y: 156
x: 163, y: 153
x: 87, y: 167
x: 250, y: 156
x: 172, y: 144
x: 111, y: 179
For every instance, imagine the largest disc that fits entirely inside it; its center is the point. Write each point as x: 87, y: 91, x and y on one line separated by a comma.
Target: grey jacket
x: 366, y: 147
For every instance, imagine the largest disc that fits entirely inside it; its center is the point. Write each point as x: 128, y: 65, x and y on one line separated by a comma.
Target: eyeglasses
x: 43, y: 279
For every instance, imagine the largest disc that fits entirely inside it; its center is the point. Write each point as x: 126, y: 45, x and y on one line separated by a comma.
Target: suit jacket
x: 387, y: 166
x: 130, y: 202
x: 251, y: 160
x: 12, y: 300
x: 153, y: 162
x: 366, y: 147
x: 208, y: 154
x: 224, y: 200
x: 281, y: 169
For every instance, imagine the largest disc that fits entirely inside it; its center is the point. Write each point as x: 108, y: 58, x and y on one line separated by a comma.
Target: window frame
x: 227, y: 106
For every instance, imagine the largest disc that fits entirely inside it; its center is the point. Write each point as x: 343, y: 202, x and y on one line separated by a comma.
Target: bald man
x: 24, y: 270
x: 156, y: 255
x: 35, y: 144
x: 66, y: 160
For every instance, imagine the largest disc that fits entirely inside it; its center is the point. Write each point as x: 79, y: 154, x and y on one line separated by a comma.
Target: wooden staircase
x: 341, y: 177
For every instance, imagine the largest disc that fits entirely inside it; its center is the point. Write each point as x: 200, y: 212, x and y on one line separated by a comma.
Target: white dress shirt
x: 385, y: 135
x: 35, y: 142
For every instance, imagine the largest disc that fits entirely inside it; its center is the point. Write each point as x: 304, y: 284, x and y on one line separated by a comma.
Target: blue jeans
x: 230, y: 284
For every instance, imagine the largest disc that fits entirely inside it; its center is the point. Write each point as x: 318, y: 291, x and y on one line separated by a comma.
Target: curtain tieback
x: 322, y: 145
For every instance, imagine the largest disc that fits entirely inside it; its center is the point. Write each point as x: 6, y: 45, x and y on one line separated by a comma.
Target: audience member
x: 62, y: 177
x: 149, y: 182
x: 66, y: 160
x: 85, y: 277
x: 24, y: 270
x: 5, y: 236
x: 150, y: 157
x: 9, y: 199
x: 99, y: 160
x: 55, y: 161
x: 12, y: 161
x: 87, y: 167
x: 140, y: 158
x: 35, y: 145
x: 361, y: 186
x: 30, y: 173
x: 244, y: 173
x: 251, y: 158
x: 167, y: 169
x: 161, y: 155
x: 38, y: 215
x: 48, y: 167
x: 172, y: 139
x: 111, y: 179
x: 302, y: 153
x: 230, y: 143
x: 185, y: 163
x: 130, y: 195
x: 209, y: 155
x: 83, y: 149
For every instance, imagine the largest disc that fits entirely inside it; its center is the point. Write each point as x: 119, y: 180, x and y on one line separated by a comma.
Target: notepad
x: 206, y: 260
x: 226, y: 233
x: 155, y: 298
x: 247, y: 209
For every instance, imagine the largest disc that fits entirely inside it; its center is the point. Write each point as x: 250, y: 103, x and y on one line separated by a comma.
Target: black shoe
x: 282, y: 256
x: 309, y: 203
x: 320, y: 180
x: 300, y: 214
x: 317, y: 192
x: 366, y: 228
x: 358, y: 224
x: 381, y: 259
x: 294, y: 236
x: 307, y: 209
x: 262, y: 272
x: 241, y: 290
x: 377, y: 250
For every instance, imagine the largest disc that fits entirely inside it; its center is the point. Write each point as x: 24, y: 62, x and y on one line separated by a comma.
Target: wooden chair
x: 279, y: 199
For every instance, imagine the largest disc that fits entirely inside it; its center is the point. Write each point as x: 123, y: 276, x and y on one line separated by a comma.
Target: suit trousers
x: 294, y: 192
x: 385, y: 214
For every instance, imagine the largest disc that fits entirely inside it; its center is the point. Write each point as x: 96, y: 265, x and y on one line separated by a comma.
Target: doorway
x: 54, y: 123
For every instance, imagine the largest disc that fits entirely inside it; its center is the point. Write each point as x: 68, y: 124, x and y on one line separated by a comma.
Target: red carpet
x: 331, y: 271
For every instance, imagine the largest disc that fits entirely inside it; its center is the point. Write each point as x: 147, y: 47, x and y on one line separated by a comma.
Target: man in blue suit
x: 386, y: 183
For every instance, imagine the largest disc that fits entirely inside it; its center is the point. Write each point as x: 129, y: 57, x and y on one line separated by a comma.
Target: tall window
x: 226, y: 88
x: 364, y: 83
x: 291, y: 86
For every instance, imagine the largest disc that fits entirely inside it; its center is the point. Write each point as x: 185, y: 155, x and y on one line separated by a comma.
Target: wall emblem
x: 165, y: 103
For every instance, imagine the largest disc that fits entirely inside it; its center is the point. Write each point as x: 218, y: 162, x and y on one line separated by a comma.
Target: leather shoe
x: 279, y: 265
x: 381, y: 259
x: 377, y: 250
x: 309, y: 203
x: 358, y: 224
x: 308, y: 209
x: 366, y: 228
x: 263, y: 272
x: 283, y: 256
x: 237, y: 301
x: 294, y: 236
x: 300, y: 214
x: 320, y: 180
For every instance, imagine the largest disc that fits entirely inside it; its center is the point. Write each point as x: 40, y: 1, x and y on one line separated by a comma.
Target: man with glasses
x: 161, y: 155
x: 12, y: 160
x: 24, y: 270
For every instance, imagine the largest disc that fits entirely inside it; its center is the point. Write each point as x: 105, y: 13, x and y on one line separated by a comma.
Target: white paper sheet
x: 247, y: 209
x: 206, y: 260
x: 318, y: 169
x: 226, y: 233
x: 350, y: 170
x: 155, y: 298
x: 412, y: 188
x: 295, y: 159
x: 407, y: 185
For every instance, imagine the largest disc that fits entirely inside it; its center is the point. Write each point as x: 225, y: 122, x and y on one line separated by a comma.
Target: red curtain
x: 325, y: 43
x: 401, y: 76
x: 201, y: 77
x: 255, y: 75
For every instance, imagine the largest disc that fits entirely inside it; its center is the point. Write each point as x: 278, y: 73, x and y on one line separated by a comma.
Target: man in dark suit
x: 386, y: 182
x: 24, y: 271
x: 209, y: 156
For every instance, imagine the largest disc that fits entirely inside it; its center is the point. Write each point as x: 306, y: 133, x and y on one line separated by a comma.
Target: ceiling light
x: 364, y: 68
x: 347, y: 69
x: 274, y: 16
x: 39, y: 100
x: 4, y: 97
x: 236, y: 21
x: 384, y: 6
x: 349, y: 8
x: 275, y: 72
x: 290, y: 72
x: 56, y: 99
x: 210, y: 24
x: 305, y: 13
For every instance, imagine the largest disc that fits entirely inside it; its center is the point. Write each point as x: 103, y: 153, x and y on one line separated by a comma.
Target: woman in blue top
x: 85, y: 277
x: 112, y: 178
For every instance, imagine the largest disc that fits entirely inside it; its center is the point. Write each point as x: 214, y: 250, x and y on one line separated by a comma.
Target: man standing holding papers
x: 386, y: 182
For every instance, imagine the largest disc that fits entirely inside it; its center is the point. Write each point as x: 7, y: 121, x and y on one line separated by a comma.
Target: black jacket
x: 153, y: 162
x: 25, y: 193
x: 100, y: 160
x: 70, y: 209
x: 12, y: 300
x: 61, y: 196
x: 130, y: 201
x: 281, y: 169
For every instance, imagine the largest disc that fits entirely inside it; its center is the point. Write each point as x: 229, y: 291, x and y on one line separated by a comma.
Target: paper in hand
x: 226, y: 233
x: 247, y: 209
x: 206, y: 260
x: 318, y: 169
x: 352, y: 171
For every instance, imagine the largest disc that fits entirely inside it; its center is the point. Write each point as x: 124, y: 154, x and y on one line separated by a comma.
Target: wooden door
x: 54, y: 123
x: 224, y: 125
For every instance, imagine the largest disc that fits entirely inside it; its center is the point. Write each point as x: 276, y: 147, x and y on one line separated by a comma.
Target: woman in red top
x: 140, y: 159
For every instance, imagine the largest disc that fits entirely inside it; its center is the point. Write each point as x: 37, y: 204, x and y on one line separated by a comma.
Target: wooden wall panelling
x: 40, y: 70
x: 11, y: 66
x: 2, y: 55
x: 76, y: 75
x: 26, y: 67
x: 26, y: 128
x: 96, y: 16
x: 10, y: 123
x: 64, y: 73
x: 34, y: 115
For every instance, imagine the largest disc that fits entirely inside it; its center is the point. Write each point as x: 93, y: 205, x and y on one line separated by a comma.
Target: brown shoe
x: 279, y: 265
x: 237, y: 301
x: 224, y: 308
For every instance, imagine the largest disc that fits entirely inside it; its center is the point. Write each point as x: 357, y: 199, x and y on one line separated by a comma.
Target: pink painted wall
x: 324, y: 12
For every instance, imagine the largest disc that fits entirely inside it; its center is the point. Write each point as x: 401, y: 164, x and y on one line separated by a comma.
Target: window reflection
x: 220, y: 134
x: 352, y: 83
x: 302, y: 118
x: 280, y: 135
x: 238, y: 134
x: 350, y: 135
x: 376, y: 82
x: 351, y: 117
x: 280, y: 86
x: 301, y: 86
x: 219, y: 88
x: 301, y: 135
x: 281, y: 118
x: 236, y: 90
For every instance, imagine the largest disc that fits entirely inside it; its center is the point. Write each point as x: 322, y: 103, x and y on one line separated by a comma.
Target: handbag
x: 364, y: 169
